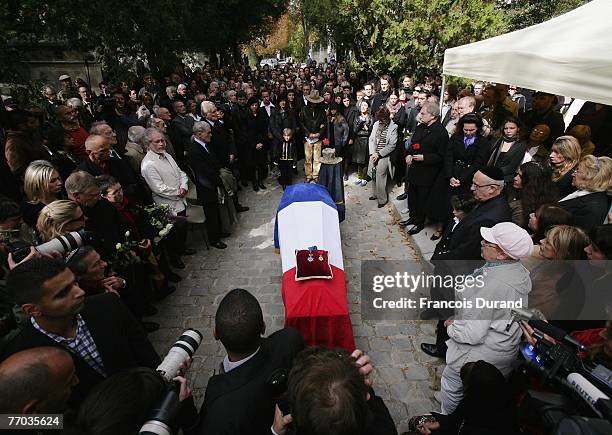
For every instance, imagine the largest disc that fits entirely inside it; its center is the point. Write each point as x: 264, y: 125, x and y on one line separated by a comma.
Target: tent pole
x: 442, y: 94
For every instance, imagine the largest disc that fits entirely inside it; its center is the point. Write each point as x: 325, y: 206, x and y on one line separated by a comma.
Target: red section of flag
x: 319, y: 310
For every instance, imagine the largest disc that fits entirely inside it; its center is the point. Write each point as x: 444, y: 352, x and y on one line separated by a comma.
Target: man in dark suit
x: 241, y: 398
x: 103, y: 219
x: 380, y: 99
x: 205, y: 166
x: 99, y: 331
x: 100, y: 161
x: 180, y: 130
x: 425, y: 160
x: 458, y: 252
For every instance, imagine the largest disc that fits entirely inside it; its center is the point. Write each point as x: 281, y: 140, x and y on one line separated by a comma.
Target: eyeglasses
x: 483, y: 185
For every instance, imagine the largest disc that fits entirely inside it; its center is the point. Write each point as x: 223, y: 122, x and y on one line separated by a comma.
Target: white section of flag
x: 305, y: 224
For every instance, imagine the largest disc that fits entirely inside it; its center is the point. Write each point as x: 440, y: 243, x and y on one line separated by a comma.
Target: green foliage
x: 525, y: 13
x: 160, y: 29
x: 411, y: 35
x: 296, y: 40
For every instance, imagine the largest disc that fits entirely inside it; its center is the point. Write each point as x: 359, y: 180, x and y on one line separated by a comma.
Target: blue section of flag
x: 302, y: 193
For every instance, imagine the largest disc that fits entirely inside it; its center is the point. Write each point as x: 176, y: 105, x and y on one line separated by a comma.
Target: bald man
x: 467, y: 105
x: 36, y: 381
x: 101, y: 162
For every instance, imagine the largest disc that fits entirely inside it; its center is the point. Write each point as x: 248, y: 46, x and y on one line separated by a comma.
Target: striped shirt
x: 382, y: 137
x: 82, y: 344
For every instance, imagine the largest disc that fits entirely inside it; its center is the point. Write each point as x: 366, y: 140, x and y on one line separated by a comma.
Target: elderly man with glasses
x: 461, y: 247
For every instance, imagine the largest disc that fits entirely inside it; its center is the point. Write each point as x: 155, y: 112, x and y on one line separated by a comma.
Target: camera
x: 62, y: 244
x: 162, y: 418
x: 586, y: 388
x: 181, y: 351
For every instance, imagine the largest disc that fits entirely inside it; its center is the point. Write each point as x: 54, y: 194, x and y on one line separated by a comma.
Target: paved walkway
x: 404, y: 375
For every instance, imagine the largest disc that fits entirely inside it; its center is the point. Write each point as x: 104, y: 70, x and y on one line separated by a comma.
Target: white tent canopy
x: 569, y: 55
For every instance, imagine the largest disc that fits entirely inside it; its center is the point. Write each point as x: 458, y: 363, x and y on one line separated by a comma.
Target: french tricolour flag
x: 307, y: 216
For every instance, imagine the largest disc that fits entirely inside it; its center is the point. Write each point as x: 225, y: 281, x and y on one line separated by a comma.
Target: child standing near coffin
x: 288, y: 158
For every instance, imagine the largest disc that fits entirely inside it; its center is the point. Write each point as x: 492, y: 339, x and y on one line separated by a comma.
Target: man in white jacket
x: 479, y: 330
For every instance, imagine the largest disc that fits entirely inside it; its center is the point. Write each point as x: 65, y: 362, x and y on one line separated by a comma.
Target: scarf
x: 468, y: 141
x: 509, y: 139
x: 394, y: 108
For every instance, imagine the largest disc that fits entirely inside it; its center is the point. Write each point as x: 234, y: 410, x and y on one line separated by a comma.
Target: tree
x: 278, y: 40
x: 411, y: 35
x: 159, y: 29
x: 525, y: 13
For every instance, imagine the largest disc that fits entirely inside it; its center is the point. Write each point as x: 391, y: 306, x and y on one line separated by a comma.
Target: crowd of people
x: 511, y: 193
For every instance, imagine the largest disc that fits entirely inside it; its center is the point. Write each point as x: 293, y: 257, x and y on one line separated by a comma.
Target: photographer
x: 240, y: 399
x: 122, y: 403
x: 58, y: 218
x: 330, y: 394
x: 99, y: 331
x: 90, y: 272
x: 13, y: 233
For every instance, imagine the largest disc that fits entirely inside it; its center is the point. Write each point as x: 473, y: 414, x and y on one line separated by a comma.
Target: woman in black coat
x: 589, y: 205
x: 425, y: 162
x: 280, y: 120
x: 350, y: 112
x: 362, y: 128
x: 466, y: 153
x: 257, y: 144
x: 509, y: 151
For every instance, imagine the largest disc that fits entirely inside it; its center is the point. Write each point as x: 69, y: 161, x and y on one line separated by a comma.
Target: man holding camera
x: 99, y: 331
x: 241, y: 398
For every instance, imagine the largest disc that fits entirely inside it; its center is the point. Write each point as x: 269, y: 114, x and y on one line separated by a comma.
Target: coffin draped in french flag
x: 307, y: 217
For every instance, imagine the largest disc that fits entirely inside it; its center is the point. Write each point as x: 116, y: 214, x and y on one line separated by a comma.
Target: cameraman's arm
x: 188, y: 418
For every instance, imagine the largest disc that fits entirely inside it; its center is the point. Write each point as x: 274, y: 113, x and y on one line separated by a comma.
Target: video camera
x: 162, y: 418
x: 62, y: 244
x: 587, y: 388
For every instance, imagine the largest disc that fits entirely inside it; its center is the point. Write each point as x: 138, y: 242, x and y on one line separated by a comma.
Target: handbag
x: 312, y: 263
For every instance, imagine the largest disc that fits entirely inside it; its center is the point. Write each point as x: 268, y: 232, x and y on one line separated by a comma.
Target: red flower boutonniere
x: 326, y: 142
x: 416, y: 146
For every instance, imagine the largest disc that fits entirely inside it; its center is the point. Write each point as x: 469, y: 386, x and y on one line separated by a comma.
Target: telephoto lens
x: 66, y: 243
x: 181, y: 351
x: 162, y: 418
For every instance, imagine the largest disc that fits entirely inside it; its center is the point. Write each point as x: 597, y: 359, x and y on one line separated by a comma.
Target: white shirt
x: 231, y: 365
x: 164, y: 178
x: 268, y: 107
x: 204, y: 145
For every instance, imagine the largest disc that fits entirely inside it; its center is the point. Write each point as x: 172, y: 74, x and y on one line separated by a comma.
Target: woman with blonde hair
x: 42, y: 185
x: 590, y: 203
x: 556, y: 286
x: 59, y: 217
x: 564, y: 157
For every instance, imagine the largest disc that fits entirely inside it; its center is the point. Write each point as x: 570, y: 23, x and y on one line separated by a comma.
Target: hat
x: 510, y: 238
x: 493, y: 173
x: 64, y: 77
x: 328, y: 156
x: 252, y: 100
x: 314, y: 97
x: 345, y: 84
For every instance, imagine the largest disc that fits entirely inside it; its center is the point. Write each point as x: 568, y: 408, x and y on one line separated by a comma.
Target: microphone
x: 556, y: 333
x: 585, y: 389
